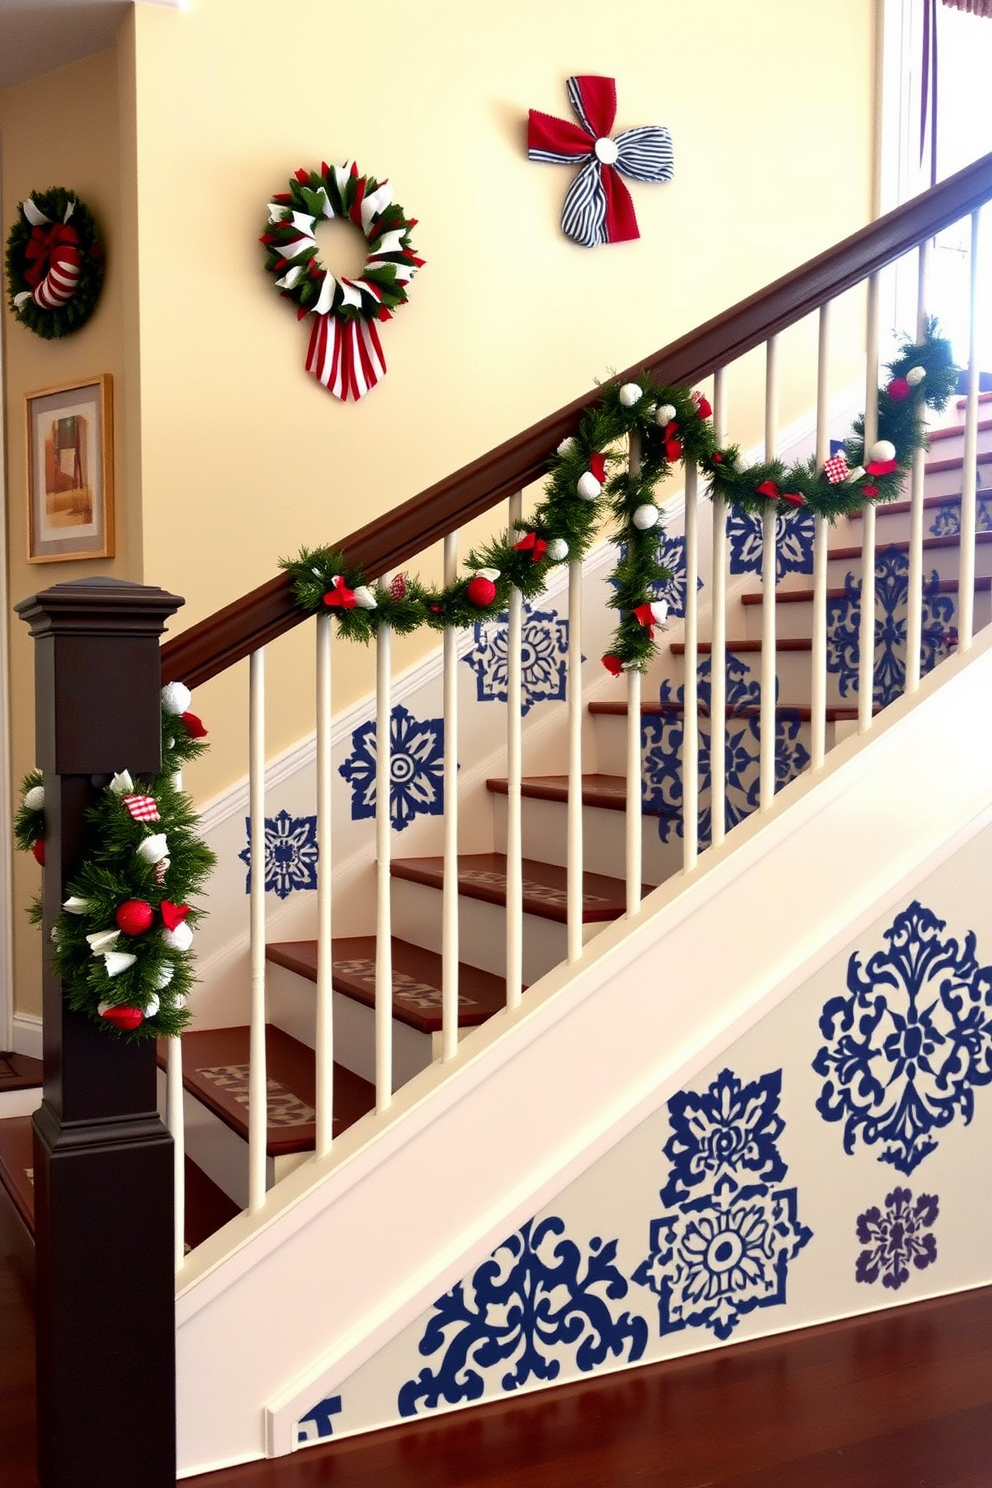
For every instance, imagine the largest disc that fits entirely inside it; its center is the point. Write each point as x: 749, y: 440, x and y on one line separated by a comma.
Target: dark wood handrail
x: 232, y: 633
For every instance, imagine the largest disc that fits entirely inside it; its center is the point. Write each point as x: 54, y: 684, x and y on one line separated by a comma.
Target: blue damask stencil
x: 908, y: 1048
x: 416, y: 768
x: 661, y: 745
x: 290, y: 853
x: 947, y: 517
x: 795, y: 530
x: 671, y: 555
x: 895, y: 1238
x: 891, y: 594
x: 533, y: 1303
x: 724, y: 1247
x: 543, y: 656
x: 317, y: 1425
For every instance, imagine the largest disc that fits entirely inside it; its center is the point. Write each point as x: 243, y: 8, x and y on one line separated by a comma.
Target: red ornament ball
x: 38, y: 851
x: 134, y: 917
x: 125, y: 1018
x: 481, y: 591
x: 899, y: 389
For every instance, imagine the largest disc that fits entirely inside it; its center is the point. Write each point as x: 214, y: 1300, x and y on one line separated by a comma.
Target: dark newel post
x: 103, y: 1160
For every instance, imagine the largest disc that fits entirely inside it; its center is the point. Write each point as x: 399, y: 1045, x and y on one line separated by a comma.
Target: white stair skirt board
x: 325, y: 1276
x: 27, y: 1035
x: 19, y: 1102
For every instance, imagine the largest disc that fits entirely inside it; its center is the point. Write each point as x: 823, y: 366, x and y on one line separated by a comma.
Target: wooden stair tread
x: 17, y: 1165
x: 955, y: 431
x: 802, y: 711
x: 609, y: 791
x: 804, y: 596
x: 483, y: 876
x: 416, y: 980
x: 19, y: 1072
x: 930, y: 544
x: 933, y: 467
x: 782, y: 643
x: 215, y: 1071
x: 930, y: 503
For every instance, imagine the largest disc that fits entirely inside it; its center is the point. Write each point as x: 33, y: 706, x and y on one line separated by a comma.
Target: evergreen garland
x: 144, y: 996
x: 67, y: 215
x: 671, y: 425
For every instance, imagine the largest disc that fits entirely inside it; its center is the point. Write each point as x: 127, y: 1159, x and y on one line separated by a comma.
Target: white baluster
x: 634, y: 845
x: 258, y: 1114
x: 969, y: 479
x: 514, y: 773
x: 449, y: 906
x: 769, y: 565
x: 690, y: 694
x: 818, y: 694
x: 575, y: 847
x: 718, y: 646
x: 866, y: 668
x: 324, y: 1042
x: 914, y: 588
x: 383, y: 850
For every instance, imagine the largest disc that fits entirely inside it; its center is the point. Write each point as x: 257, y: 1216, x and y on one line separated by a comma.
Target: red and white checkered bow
x: 142, y: 808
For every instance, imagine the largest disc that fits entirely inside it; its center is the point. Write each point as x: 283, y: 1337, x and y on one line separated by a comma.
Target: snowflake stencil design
x: 662, y: 737
x: 535, y: 1302
x: 891, y: 595
x: 947, y: 518
x: 317, y: 1424
x: 795, y: 530
x: 725, y: 1244
x: 290, y: 854
x: 416, y: 768
x: 896, y: 1239
x: 543, y: 658
x: 911, y: 1044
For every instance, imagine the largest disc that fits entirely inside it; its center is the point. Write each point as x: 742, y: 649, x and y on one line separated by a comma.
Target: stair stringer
x: 277, y: 1309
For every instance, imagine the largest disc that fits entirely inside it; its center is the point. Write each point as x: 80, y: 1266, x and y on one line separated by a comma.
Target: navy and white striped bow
x: 598, y: 207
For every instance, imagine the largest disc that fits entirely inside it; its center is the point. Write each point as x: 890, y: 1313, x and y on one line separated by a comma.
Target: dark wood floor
x: 902, y: 1400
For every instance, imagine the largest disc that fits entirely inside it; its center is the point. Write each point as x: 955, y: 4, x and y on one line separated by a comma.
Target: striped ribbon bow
x: 598, y: 207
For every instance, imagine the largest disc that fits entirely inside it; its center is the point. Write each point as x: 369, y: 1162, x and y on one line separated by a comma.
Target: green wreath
x: 674, y: 426
x: 122, y: 943
x: 55, y: 263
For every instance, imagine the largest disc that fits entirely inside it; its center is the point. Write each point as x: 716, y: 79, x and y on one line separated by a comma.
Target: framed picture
x: 70, y: 447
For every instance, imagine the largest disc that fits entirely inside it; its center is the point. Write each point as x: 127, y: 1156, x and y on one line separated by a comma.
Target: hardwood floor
x: 900, y: 1400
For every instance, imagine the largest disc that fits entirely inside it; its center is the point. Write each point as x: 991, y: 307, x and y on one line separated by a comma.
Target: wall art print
x: 910, y: 1045
x: 416, y: 768
x: 539, y: 1301
x: 291, y: 854
x: 662, y: 737
x: 543, y: 657
x: 897, y: 1237
x: 724, y: 1246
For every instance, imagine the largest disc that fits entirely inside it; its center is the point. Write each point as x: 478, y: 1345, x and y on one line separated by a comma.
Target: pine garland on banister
x: 589, y: 479
x: 122, y: 942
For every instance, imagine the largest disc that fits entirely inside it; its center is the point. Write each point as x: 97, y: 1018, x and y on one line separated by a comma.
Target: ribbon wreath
x: 54, y: 263
x: 345, y: 353
x: 598, y: 207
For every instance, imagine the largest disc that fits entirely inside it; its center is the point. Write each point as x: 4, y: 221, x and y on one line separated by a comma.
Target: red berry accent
x: 124, y: 1018
x: 134, y: 917
x: 481, y: 591
x: 717, y: 458
x: 870, y: 490
x: 899, y: 389
x: 38, y: 851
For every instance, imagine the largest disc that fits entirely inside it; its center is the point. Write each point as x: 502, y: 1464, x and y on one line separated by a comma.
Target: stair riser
x: 482, y: 930
x: 796, y: 619
x: 292, y: 1007
x: 545, y: 836
x: 948, y: 482
x: 19, y: 1102
x: 611, y: 739
x: 938, y: 521
x: 793, y: 674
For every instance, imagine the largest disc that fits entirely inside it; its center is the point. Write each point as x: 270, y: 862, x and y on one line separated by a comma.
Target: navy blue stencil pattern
x: 416, y: 768
x: 543, y: 658
x: 911, y: 1043
x: 897, y: 1237
x: 724, y: 1247
x: 794, y: 533
x: 537, y: 1301
x: 290, y: 854
x: 317, y: 1424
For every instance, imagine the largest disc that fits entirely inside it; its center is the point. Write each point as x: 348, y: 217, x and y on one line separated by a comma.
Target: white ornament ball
x: 164, y: 976
x: 588, y: 487
x: 630, y: 394
x: 557, y: 550
x: 567, y: 446
x: 664, y: 415
x: 176, y: 698
x: 645, y: 517
x: 34, y: 799
x: 915, y: 376
x: 882, y: 449
x: 153, y: 849
x: 179, y: 939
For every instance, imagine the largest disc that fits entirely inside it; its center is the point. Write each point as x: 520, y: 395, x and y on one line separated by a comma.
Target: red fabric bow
x: 536, y: 546
x: 645, y: 614
x: 173, y: 914
x: 41, y: 249
x: 194, y: 727
x: 881, y: 467
x: 597, y: 464
x: 613, y: 665
x: 770, y: 489
x: 794, y: 498
x: 339, y: 596
x: 703, y: 406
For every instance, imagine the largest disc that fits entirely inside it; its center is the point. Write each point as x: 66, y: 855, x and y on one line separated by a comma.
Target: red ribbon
x: 881, y: 467
x: 173, y: 914
x: 613, y: 665
x: 770, y: 489
x: 645, y: 615
x: 339, y: 596
x: 536, y: 546
x: 194, y: 727
x: 599, y: 103
x: 41, y: 249
x: 597, y: 464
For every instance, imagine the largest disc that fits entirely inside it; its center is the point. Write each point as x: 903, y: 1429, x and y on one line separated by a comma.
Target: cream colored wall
x: 59, y: 130
x: 245, y: 457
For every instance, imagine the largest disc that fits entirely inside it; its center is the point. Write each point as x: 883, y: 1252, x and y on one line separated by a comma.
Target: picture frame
x: 70, y: 471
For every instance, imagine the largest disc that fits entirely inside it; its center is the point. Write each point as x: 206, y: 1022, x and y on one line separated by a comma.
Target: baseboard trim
x: 27, y: 1035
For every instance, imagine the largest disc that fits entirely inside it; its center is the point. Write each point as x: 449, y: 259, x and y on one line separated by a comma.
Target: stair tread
x: 215, y: 1071
x: 803, y: 711
x: 19, y: 1072
x: 950, y: 431
x: 417, y: 976
x: 930, y: 544
x: 483, y: 876
x: 17, y: 1165
x: 782, y: 643
x: 933, y: 467
x: 804, y: 596
x: 609, y: 791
